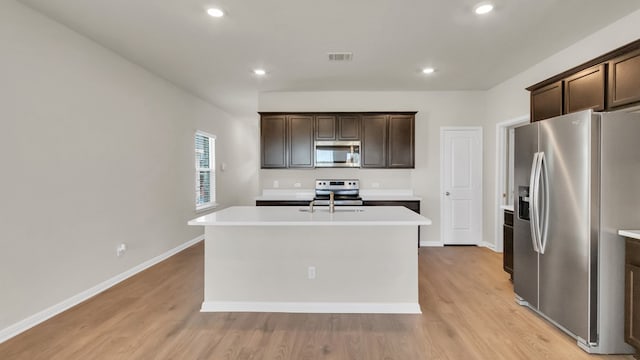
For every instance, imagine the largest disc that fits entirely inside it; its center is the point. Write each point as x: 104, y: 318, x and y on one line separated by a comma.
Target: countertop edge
x: 634, y: 234
x: 313, y: 223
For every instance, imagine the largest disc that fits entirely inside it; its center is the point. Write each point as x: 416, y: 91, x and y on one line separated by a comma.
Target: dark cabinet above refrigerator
x: 606, y: 83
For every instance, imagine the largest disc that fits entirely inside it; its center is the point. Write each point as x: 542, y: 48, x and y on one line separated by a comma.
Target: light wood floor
x: 466, y: 299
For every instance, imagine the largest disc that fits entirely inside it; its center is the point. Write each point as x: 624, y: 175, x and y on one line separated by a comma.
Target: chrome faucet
x: 311, y: 205
x: 332, y: 203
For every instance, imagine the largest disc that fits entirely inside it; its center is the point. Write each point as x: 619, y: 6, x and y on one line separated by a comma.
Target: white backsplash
x: 305, y: 179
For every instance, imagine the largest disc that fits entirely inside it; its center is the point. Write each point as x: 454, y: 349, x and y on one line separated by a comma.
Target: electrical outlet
x: 297, y: 185
x: 375, y: 185
x: 121, y: 249
x: 311, y: 272
x: 276, y: 184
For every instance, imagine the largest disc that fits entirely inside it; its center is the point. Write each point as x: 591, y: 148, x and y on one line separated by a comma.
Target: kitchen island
x: 288, y: 259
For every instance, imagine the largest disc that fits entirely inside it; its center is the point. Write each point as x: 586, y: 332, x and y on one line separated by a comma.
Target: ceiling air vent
x: 340, y: 56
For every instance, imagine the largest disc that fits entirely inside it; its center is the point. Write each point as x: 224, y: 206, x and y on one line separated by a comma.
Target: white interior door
x: 461, y: 180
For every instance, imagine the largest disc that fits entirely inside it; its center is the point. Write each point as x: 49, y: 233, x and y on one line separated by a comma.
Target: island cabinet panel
x: 349, y: 127
x: 585, y: 90
x: 325, y: 127
x: 507, y: 232
x: 632, y: 293
x: 374, y: 141
x: 300, y: 141
x: 401, y: 141
x: 547, y: 102
x: 624, y: 80
x: 273, y: 137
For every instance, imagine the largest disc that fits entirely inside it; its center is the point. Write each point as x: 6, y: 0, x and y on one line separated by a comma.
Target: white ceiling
x: 391, y: 41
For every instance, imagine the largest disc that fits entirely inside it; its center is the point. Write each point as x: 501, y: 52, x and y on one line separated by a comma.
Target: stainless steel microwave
x: 337, y: 153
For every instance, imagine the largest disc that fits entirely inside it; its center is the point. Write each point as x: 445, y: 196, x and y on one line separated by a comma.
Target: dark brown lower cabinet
x: 507, y: 236
x: 632, y: 293
x: 282, y: 202
x: 413, y: 205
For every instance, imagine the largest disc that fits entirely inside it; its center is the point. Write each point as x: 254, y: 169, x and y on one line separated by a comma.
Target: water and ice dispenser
x: 523, y: 202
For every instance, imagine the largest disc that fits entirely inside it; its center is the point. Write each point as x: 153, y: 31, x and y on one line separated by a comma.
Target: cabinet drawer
x: 508, y: 218
x: 632, y: 252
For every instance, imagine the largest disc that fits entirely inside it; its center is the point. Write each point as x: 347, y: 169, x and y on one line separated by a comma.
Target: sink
x: 356, y: 210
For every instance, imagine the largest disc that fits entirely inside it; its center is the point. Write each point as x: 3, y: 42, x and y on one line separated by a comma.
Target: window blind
x: 205, y: 170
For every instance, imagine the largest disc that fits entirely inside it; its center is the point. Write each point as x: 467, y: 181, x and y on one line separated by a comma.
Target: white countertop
x: 292, y: 216
x: 634, y: 234
x: 506, y: 207
x: 365, y: 194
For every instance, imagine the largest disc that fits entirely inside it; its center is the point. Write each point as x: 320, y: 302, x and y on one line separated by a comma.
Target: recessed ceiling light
x: 428, y: 70
x: 483, y: 8
x: 215, y: 12
x: 259, y: 72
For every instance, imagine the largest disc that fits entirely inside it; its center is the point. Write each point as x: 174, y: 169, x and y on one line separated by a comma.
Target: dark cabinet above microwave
x: 342, y: 127
x: 288, y: 139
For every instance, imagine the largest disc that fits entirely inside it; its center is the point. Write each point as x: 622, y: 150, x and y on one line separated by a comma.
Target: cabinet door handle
x: 447, y: 193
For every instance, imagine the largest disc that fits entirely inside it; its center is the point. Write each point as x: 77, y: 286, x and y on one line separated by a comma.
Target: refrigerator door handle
x: 532, y: 202
x: 544, y: 223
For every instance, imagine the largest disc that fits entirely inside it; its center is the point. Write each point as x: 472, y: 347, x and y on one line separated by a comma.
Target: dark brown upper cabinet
x: 401, y: 141
x: 348, y: 127
x: 387, y: 139
x: 624, y: 79
x: 300, y: 141
x: 286, y: 141
x: 325, y: 127
x: 273, y: 137
x: 606, y: 83
x: 546, y: 102
x: 374, y: 141
x: 337, y: 127
x: 585, y: 90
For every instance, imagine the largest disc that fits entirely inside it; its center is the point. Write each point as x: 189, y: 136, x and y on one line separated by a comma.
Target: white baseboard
x: 33, y: 320
x: 488, y: 245
x: 424, y: 243
x: 312, y: 307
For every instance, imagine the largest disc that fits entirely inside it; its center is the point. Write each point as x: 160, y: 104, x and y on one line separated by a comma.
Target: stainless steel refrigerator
x: 577, y: 179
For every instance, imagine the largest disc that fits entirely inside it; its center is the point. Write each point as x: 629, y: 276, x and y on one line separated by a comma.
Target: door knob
x: 447, y: 193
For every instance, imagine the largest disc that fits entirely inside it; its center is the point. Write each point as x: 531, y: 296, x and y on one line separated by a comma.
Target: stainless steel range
x: 345, y: 192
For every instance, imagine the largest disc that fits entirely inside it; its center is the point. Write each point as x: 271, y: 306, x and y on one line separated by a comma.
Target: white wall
x: 94, y: 151
x: 510, y: 100
x: 435, y: 109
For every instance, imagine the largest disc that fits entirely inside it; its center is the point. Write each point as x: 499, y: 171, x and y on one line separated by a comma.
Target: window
x: 205, y: 170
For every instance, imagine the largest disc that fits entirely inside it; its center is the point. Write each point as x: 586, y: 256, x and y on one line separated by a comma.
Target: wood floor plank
x: 468, y: 306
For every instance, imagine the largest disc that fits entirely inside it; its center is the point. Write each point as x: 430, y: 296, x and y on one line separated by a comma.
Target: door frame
x: 443, y: 130
x: 501, y: 170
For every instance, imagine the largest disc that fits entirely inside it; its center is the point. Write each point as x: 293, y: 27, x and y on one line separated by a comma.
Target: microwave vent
x: 340, y: 56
